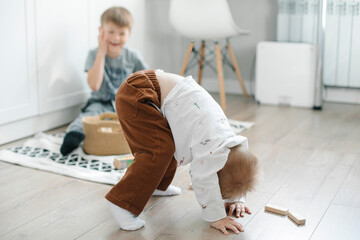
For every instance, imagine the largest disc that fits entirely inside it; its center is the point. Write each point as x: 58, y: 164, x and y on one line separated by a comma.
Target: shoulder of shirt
x: 130, y: 52
x: 92, y: 52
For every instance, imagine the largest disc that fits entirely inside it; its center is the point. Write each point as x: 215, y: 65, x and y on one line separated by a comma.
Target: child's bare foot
x: 170, y: 191
x: 125, y: 219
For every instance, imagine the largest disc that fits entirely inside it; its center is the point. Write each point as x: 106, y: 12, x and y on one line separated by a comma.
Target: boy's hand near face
x: 102, y: 48
x: 96, y: 73
x: 227, y: 223
x: 238, y: 208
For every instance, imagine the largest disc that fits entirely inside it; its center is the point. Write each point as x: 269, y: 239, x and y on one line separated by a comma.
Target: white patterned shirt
x: 202, y: 136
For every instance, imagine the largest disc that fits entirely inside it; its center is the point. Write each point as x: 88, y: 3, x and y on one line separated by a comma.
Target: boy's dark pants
x: 150, y: 140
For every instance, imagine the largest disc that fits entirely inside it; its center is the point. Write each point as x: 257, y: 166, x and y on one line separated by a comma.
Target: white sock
x: 171, y: 190
x: 125, y: 219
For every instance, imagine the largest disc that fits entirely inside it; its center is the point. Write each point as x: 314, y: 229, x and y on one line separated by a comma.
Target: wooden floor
x: 310, y: 162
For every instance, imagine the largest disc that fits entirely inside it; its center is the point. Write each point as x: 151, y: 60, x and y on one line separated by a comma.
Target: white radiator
x: 297, y: 22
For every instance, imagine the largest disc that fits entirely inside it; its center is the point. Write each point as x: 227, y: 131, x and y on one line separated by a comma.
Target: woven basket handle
x: 109, y: 126
x: 108, y: 115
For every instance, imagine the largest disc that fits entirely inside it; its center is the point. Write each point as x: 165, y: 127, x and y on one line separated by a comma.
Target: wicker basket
x: 104, y: 136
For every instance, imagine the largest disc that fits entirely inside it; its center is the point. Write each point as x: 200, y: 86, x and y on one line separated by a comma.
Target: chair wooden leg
x: 220, y: 73
x: 186, y: 59
x: 201, y: 61
x: 237, y: 70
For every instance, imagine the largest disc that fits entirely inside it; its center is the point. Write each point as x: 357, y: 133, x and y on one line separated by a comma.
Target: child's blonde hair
x: 239, y: 175
x: 118, y: 15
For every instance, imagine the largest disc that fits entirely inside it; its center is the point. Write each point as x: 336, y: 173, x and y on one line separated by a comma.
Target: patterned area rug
x: 43, y: 152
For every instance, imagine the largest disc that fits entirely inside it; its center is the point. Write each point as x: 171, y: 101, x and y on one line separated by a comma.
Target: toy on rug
x: 123, y: 162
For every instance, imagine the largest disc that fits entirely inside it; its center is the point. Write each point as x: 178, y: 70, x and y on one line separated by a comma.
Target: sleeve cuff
x: 242, y: 200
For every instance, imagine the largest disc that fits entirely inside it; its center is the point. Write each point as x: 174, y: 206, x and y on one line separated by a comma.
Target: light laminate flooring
x: 310, y: 163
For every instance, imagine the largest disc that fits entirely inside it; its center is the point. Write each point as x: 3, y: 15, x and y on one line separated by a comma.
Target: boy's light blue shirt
x: 115, y: 72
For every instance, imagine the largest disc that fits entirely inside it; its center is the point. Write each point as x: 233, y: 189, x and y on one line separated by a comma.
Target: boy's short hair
x: 239, y: 175
x: 118, y: 15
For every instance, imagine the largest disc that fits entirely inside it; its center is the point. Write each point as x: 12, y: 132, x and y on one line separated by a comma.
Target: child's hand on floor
x: 227, y: 223
x: 238, y: 208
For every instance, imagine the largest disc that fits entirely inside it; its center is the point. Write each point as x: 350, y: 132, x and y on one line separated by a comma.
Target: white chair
x: 207, y: 20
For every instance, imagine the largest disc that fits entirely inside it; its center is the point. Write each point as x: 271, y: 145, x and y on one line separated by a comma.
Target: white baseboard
x: 342, y: 95
x: 232, y: 86
x: 29, y: 126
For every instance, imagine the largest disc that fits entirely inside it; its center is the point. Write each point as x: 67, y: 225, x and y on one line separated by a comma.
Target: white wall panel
x: 18, y: 85
x: 62, y: 46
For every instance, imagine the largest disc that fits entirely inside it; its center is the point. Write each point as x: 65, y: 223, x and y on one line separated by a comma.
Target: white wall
x: 42, y: 78
x: 166, y: 48
x: 49, y: 76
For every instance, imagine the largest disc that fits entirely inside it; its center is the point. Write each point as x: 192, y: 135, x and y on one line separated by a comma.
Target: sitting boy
x: 107, y: 66
x: 169, y: 120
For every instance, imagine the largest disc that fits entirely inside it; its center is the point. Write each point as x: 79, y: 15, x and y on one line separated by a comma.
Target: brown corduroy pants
x: 150, y: 140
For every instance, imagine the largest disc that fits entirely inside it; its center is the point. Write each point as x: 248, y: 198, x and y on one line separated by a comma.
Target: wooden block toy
x: 123, y: 161
x: 296, y: 217
x: 276, y: 209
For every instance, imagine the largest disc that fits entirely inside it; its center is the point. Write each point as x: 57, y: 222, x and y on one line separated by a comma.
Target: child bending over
x: 169, y: 120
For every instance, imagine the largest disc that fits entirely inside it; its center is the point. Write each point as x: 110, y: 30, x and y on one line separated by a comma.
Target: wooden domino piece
x: 276, y: 209
x: 296, y: 217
